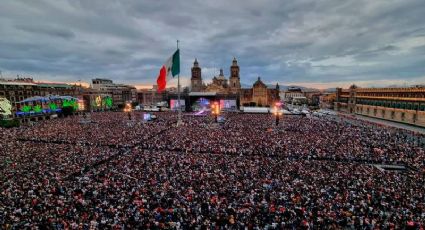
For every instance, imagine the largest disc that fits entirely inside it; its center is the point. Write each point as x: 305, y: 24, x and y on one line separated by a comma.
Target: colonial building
x: 150, y: 97
x: 120, y: 93
x: 22, y: 88
x: 290, y: 93
x: 406, y: 105
x: 235, y: 80
x: 327, y: 100
x: 258, y: 95
x: 196, y: 79
x: 220, y: 83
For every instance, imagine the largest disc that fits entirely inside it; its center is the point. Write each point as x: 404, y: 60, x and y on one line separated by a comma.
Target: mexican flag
x: 170, y: 69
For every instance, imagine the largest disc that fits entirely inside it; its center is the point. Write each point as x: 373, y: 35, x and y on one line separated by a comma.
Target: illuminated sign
x: 98, y: 101
x: 81, y: 105
x: 5, y: 107
x: 53, y: 106
x: 108, y: 102
x: 26, y: 108
x: 70, y: 103
x: 38, y: 109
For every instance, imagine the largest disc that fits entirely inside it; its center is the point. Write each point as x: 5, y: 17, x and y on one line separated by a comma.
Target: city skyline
x: 305, y: 43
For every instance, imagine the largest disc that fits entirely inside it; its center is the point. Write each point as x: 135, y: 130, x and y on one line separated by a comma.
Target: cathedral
x: 259, y: 95
x: 219, y: 83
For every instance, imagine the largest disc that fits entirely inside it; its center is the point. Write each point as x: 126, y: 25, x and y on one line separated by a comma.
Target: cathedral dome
x: 259, y: 83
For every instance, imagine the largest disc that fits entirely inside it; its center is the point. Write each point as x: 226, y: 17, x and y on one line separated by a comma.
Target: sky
x: 312, y: 43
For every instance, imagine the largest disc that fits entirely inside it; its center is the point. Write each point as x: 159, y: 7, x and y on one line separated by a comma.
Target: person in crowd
x: 307, y: 173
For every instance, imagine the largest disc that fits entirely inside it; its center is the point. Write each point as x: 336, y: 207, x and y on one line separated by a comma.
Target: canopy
x: 36, y: 98
x: 48, y: 98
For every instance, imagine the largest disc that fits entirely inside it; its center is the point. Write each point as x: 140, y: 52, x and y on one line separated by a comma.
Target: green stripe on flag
x: 175, y: 69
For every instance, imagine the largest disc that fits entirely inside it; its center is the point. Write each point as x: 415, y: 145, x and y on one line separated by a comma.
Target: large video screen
x: 201, y: 104
x: 174, y: 104
x: 227, y: 104
x: 5, y: 107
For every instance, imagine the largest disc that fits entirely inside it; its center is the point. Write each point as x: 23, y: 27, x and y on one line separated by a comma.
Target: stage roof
x: 48, y: 98
x: 202, y: 94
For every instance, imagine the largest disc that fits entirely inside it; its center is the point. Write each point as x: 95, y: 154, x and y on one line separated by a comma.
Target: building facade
x: 259, y: 95
x: 220, y: 83
x: 405, y: 105
x: 121, y: 93
x: 288, y: 95
x: 20, y: 89
x: 150, y: 97
x: 327, y: 100
x: 196, y: 79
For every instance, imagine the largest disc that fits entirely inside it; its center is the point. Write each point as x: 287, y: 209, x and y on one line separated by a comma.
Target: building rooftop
x: 54, y: 85
x: 15, y: 83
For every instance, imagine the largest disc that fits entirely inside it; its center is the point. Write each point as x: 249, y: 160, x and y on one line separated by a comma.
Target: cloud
x: 310, y: 42
x: 46, y: 30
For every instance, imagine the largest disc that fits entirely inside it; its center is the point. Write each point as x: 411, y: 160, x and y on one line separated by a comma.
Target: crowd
x: 106, y: 129
x: 311, y: 138
x: 116, y: 173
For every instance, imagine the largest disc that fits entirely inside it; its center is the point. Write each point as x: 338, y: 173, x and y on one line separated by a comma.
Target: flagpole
x: 179, y: 117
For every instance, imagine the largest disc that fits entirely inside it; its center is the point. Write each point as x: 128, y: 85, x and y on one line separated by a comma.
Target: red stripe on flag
x: 162, y: 79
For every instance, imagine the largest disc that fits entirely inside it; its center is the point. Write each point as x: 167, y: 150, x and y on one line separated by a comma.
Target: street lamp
x: 215, y: 110
x: 128, y: 110
x: 277, y: 112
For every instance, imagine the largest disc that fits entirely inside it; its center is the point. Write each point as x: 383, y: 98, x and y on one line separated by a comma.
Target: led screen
x: 5, y: 107
x: 174, y: 104
x: 201, y: 104
x: 227, y: 104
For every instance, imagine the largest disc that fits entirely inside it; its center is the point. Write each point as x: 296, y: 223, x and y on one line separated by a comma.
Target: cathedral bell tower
x: 196, y: 79
x: 234, y: 80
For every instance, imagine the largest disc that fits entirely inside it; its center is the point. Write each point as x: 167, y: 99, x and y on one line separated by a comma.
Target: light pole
x: 128, y: 110
x: 277, y: 112
x: 215, y: 110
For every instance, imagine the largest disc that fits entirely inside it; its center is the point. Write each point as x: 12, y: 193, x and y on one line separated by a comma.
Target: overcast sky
x: 318, y: 43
